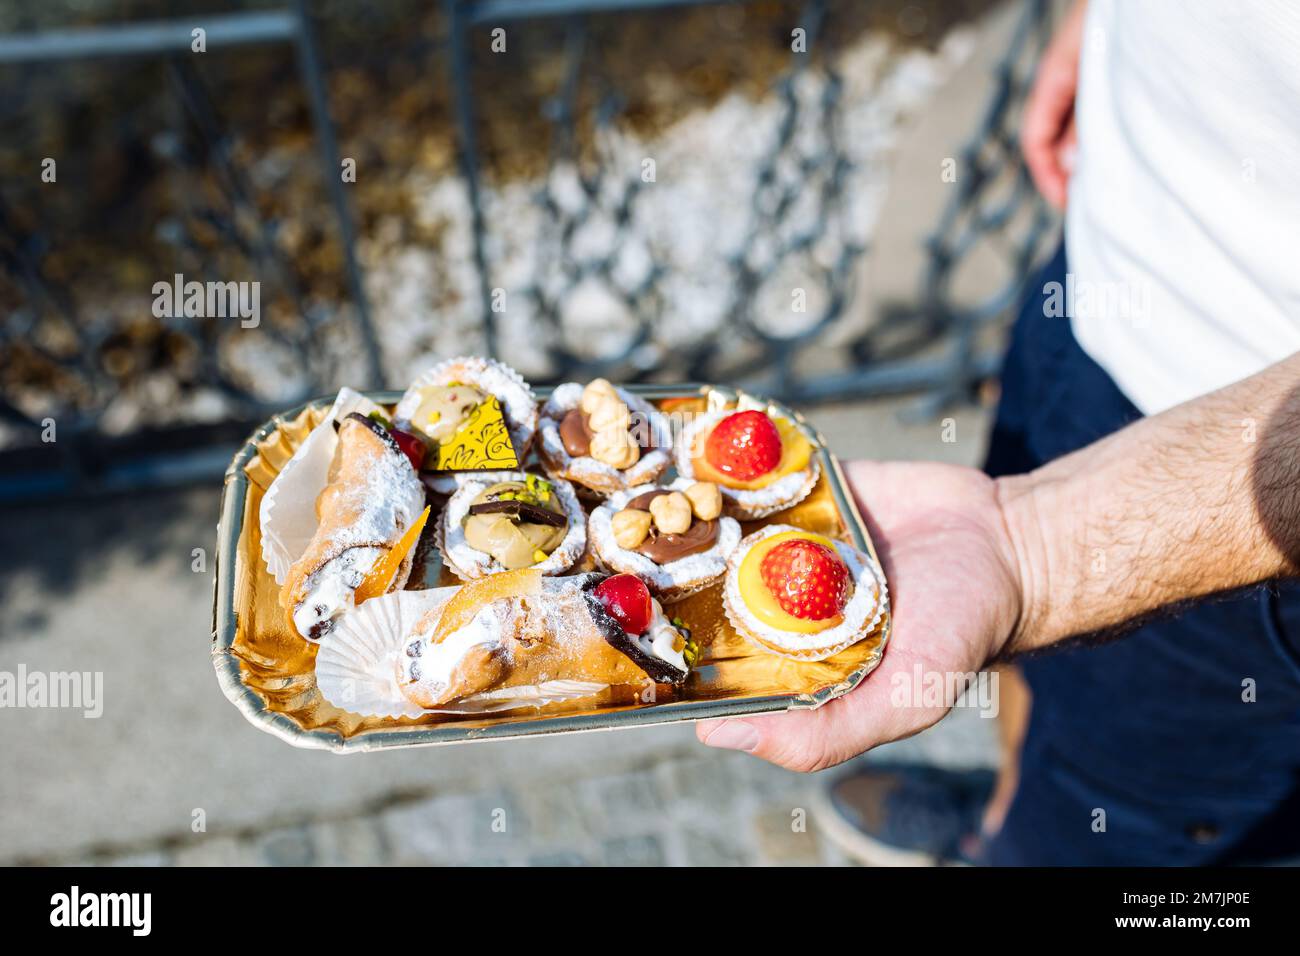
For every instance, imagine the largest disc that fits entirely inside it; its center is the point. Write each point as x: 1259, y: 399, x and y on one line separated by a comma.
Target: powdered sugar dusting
x: 387, y: 500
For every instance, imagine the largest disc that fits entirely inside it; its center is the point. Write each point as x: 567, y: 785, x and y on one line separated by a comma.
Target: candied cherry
x: 412, y: 446
x: 627, y: 600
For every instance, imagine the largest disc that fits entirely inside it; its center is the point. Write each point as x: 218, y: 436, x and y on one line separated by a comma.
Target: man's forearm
x: 1201, y: 498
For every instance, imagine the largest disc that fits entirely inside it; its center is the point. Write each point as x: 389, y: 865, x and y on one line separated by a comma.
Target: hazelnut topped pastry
x: 510, y: 521
x: 762, y: 463
x: 603, y: 438
x: 674, y: 537
x: 801, y: 595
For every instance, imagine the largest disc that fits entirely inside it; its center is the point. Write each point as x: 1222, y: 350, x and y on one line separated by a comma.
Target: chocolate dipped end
x: 659, y: 671
x: 378, y: 429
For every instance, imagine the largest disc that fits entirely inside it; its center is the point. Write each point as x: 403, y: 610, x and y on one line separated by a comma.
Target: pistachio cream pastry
x: 674, y: 537
x: 509, y: 521
x: 602, y: 438
x: 370, y: 514
x: 762, y: 463
x: 801, y: 595
x: 469, y: 414
x: 517, y: 631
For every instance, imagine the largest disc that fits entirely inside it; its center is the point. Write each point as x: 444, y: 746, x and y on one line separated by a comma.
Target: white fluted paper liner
x: 288, y: 511
x: 356, y: 665
x: 861, y: 616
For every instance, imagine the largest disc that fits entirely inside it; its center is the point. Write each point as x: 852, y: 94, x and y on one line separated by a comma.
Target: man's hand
x: 1201, y: 498
x: 955, y: 596
x: 1047, y: 133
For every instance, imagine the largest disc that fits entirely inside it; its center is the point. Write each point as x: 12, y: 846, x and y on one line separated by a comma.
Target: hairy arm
x: 1202, y: 498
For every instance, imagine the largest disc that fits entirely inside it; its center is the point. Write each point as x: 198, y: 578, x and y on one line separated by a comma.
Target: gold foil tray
x: 269, y: 672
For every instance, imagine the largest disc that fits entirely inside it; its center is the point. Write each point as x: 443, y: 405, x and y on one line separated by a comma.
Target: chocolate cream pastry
x: 674, y: 537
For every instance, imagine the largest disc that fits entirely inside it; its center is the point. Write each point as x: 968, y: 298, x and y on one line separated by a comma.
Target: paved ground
x: 171, y: 772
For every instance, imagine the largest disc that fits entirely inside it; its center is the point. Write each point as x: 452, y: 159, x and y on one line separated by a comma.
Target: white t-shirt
x: 1183, y: 222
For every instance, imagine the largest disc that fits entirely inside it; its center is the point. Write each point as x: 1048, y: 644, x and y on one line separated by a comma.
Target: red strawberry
x: 627, y: 600
x: 745, y: 445
x: 808, y: 579
x: 412, y: 445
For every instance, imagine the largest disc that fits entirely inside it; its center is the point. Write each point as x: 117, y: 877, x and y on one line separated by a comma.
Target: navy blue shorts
x: 1141, y: 750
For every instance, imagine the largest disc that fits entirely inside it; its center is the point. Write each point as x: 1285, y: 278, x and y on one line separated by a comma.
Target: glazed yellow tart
x: 802, y: 595
x: 761, y: 463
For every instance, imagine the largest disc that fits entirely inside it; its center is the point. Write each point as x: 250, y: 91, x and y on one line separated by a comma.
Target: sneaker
x: 905, y: 814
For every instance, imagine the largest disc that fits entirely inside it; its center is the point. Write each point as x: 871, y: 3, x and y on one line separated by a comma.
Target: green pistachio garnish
x: 691, y: 652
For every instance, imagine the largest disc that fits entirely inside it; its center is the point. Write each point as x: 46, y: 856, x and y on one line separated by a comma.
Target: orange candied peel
x: 382, y: 575
x: 473, y: 596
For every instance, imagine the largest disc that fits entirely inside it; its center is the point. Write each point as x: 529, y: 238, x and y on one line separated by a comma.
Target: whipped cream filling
x: 659, y: 638
x: 434, y: 663
x: 331, y: 591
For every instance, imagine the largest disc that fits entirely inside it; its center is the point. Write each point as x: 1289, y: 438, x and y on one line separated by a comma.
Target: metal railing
x: 894, y: 355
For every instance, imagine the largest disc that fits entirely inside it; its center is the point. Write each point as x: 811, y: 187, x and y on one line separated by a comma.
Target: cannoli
x: 674, y: 537
x: 602, y: 438
x: 369, y: 504
x: 470, y: 414
x: 801, y: 595
x: 511, y: 633
x: 762, y: 463
x: 512, y: 520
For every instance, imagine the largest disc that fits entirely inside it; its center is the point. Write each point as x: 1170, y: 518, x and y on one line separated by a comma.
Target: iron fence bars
x: 198, y: 140
x: 794, y: 195
x: 797, y: 210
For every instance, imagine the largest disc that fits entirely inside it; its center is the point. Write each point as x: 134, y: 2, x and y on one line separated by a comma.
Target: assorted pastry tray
x: 472, y: 559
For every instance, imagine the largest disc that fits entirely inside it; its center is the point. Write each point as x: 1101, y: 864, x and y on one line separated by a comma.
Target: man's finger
x: 811, y: 740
